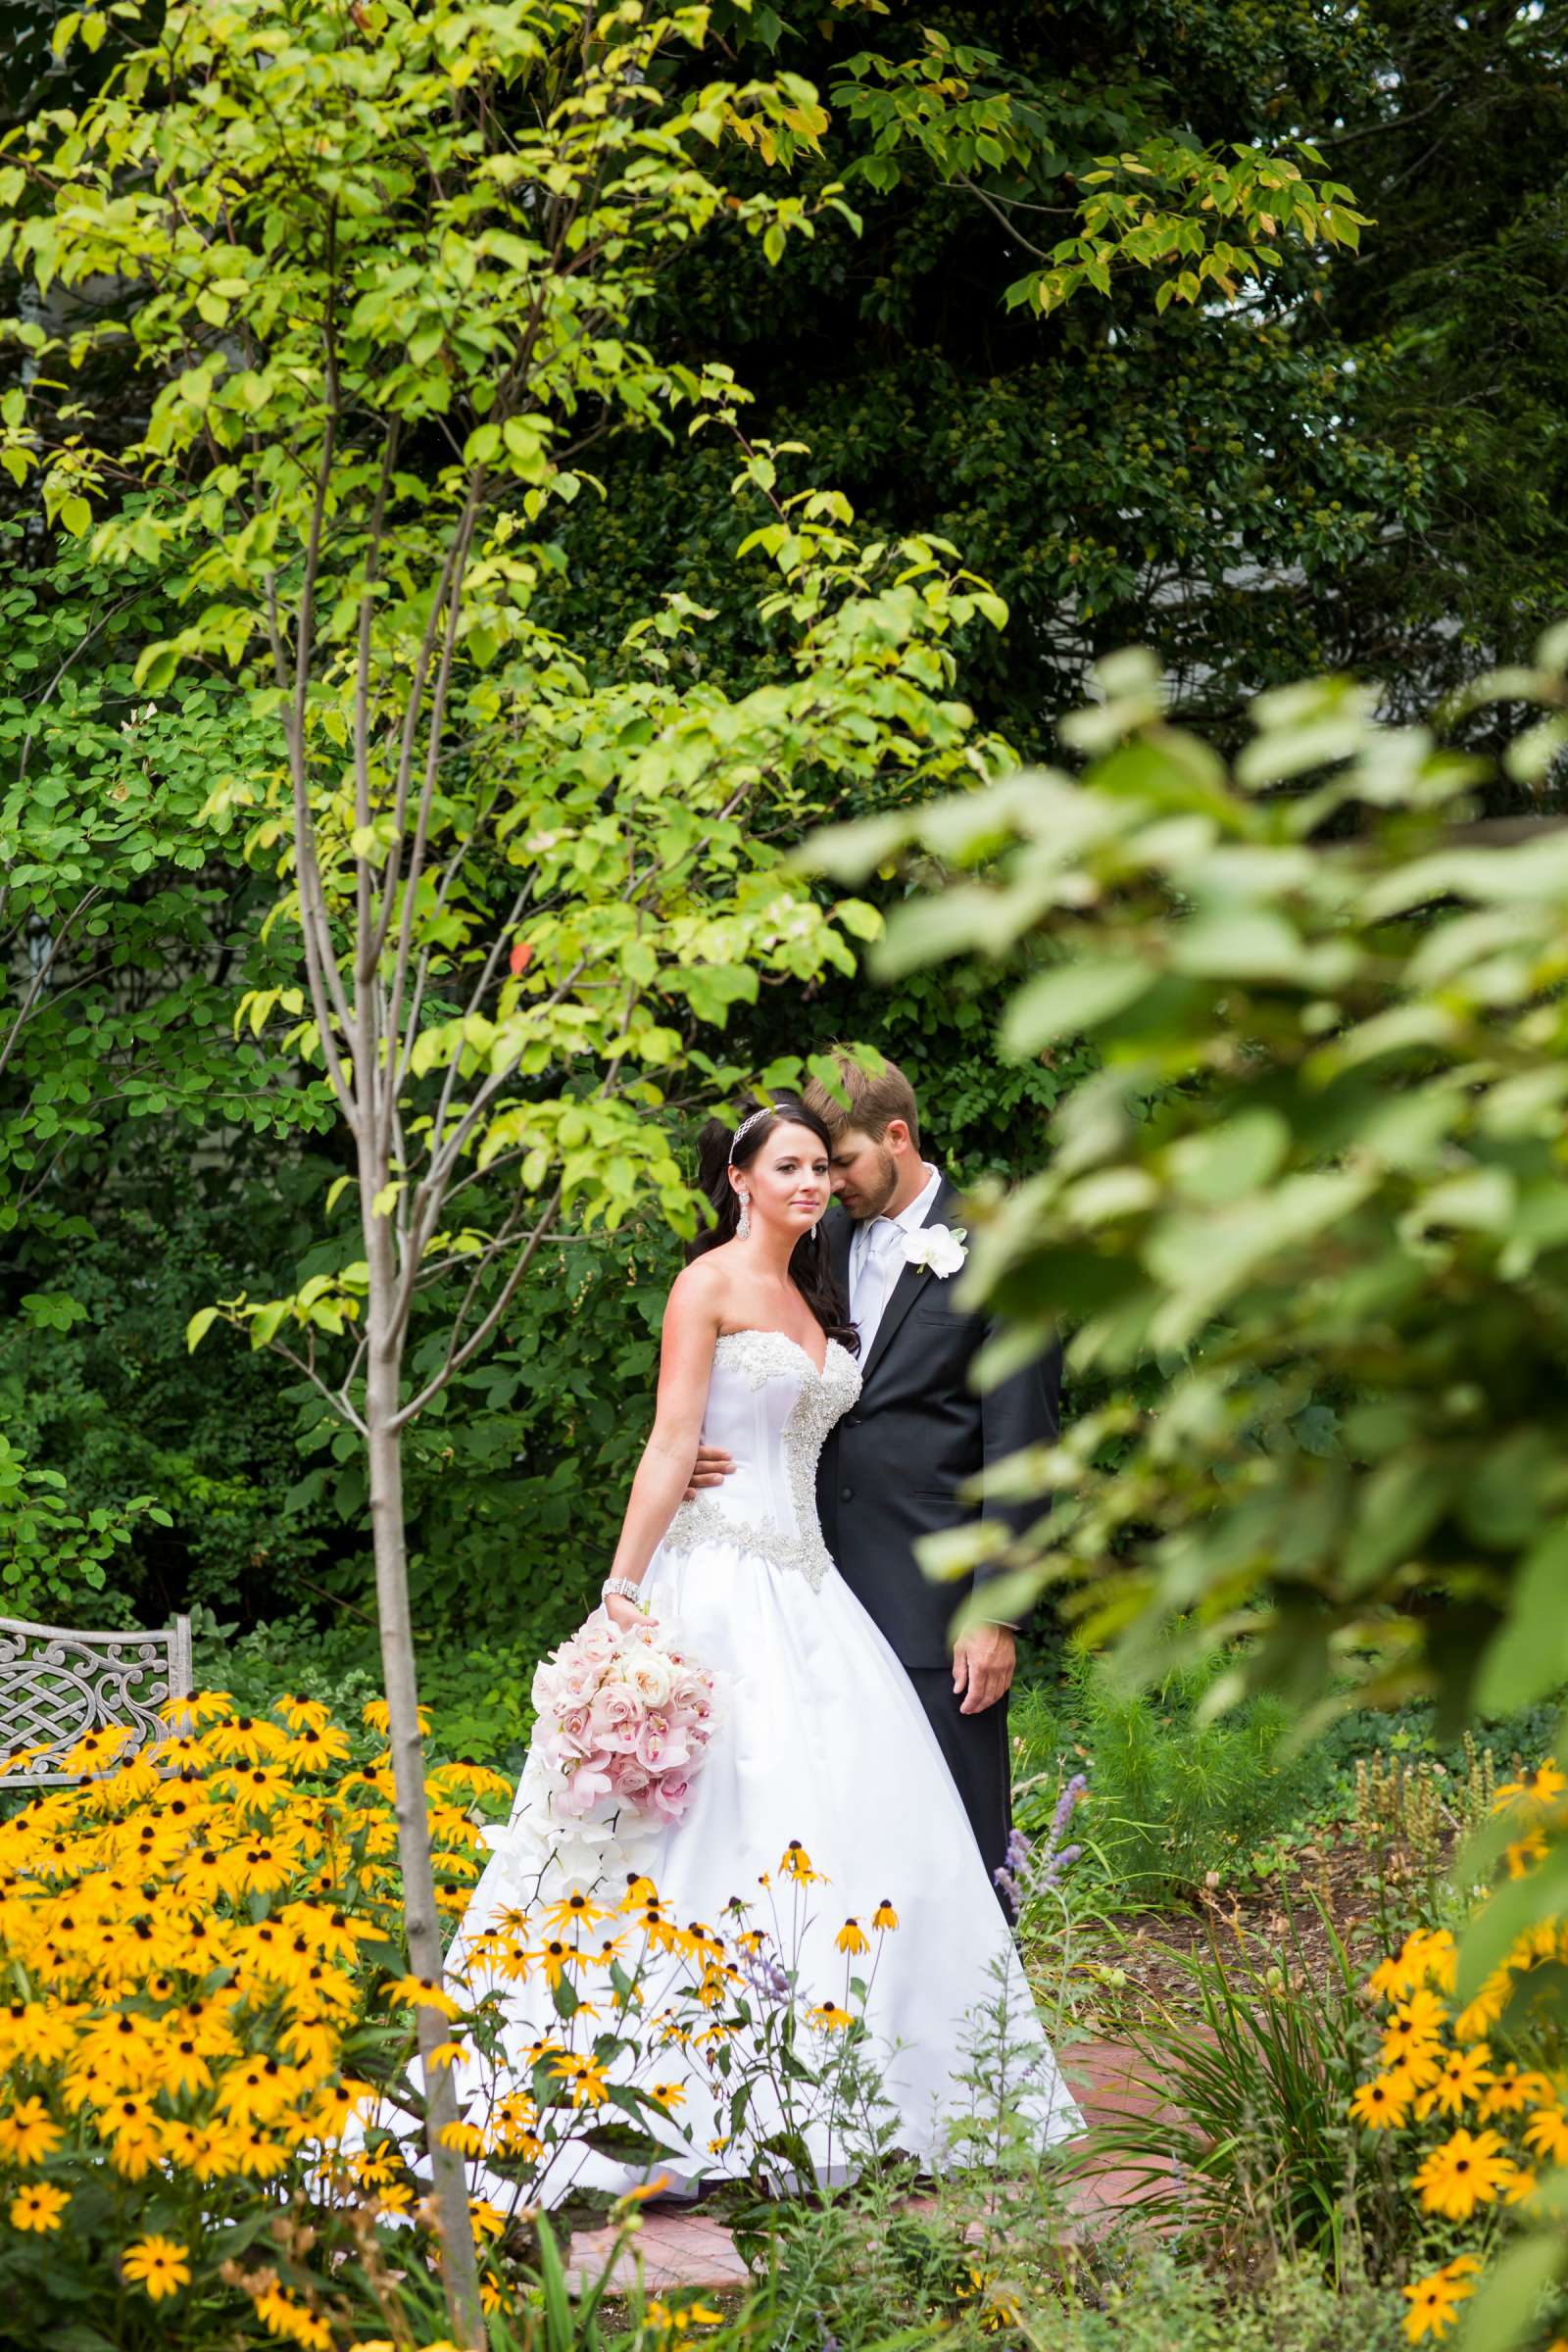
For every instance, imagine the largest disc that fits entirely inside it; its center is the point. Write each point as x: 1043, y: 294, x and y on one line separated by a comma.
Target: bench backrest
x: 57, y: 1684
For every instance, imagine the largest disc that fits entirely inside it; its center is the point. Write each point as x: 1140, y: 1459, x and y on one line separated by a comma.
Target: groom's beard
x: 871, y: 1200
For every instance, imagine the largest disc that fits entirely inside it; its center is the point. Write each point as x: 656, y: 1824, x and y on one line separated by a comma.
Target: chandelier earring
x: 743, y: 1223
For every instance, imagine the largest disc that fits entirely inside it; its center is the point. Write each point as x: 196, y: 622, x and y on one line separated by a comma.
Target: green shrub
x: 962, y: 2261
x: 1171, y: 1798
x: 56, y: 1557
x: 476, y: 1693
x: 1159, y: 2307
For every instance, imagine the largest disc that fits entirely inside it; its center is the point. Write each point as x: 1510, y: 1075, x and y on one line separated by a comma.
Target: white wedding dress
x: 822, y: 1738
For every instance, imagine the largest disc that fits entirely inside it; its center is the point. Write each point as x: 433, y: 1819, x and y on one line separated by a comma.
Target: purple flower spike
x: 1055, y: 1864
x: 1031, y: 1869
x: 1066, y: 1805
x: 765, y: 1977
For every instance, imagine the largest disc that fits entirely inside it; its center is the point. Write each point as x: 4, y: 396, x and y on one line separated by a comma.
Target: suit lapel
x: 911, y: 1282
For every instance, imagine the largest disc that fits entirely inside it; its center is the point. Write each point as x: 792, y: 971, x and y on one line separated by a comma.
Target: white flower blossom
x: 939, y: 1248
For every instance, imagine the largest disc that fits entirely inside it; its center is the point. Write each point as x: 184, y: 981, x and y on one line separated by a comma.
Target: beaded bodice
x: 771, y: 1409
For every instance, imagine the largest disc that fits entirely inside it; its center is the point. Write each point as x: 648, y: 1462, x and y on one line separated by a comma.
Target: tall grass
x: 1237, y: 2135
x: 1172, y: 1797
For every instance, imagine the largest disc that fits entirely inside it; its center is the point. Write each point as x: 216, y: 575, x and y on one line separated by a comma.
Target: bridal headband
x: 766, y: 1112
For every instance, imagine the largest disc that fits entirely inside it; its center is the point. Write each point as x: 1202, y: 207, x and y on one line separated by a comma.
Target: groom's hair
x: 873, y: 1103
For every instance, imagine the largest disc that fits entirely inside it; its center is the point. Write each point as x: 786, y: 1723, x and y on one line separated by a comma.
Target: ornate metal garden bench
x: 57, y: 1684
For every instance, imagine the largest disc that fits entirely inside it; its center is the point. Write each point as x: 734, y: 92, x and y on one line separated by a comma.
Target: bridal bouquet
x: 623, y: 1719
x: 624, y: 1715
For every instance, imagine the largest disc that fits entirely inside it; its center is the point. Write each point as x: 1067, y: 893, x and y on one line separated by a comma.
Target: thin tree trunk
x: 459, y: 2267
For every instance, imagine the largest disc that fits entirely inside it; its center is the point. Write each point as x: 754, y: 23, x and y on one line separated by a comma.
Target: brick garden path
x: 687, y: 2248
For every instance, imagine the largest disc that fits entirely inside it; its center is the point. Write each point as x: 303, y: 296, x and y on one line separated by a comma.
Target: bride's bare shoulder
x: 698, y: 1289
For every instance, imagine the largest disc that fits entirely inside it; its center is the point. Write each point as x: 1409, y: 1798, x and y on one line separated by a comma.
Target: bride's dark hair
x: 810, y: 1268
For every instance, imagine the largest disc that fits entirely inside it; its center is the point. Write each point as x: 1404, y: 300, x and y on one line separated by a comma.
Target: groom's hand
x: 983, y: 1667
x: 714, y: 1467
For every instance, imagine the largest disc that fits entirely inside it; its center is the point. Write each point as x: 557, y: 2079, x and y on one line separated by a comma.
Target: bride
x: 823, y: 1748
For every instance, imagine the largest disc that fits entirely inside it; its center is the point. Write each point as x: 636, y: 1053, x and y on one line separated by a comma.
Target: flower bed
x: 1464, y: 2085
x: 209, y: 2128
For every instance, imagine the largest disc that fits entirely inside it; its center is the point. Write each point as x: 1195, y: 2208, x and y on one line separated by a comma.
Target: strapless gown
x: 822, y: 1738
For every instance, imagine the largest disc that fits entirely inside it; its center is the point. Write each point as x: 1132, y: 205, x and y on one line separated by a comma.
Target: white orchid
x: 939, y: 1248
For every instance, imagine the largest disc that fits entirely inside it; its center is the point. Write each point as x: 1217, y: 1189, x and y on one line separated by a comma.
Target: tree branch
x: 455, y: 1360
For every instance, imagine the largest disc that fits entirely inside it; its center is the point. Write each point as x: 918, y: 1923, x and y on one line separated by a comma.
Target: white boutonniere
x: 937, y: 1248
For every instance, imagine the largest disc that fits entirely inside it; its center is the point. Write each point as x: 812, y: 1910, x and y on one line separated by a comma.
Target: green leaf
x: 861, y: 920
x: 1506, y: 2304
x: 200, y: 1324
x: 266, y: 1322
x: 1243, y: 943
x: 714, y: 987
x: 1231, y: 1158
x: 558, y: 2300
x: 1527, y: 1659
x: 1070, y: 1001
x: 1510, y: 1911
x: 926, y: 930
x: 1400, y: 1504
x: 155, y: 668
x: 51, y: 1311
x: 625, y: 2142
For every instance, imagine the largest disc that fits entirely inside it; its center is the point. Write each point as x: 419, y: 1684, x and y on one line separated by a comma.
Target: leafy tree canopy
x: 1354, y: 463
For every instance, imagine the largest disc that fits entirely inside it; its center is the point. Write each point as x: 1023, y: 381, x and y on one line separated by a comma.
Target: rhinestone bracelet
x: 622, y: 1588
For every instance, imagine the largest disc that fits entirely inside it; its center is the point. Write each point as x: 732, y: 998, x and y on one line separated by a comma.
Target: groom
x: 892, y: 1467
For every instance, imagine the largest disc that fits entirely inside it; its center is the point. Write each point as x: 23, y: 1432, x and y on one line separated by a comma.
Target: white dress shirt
x: 876, y: 1258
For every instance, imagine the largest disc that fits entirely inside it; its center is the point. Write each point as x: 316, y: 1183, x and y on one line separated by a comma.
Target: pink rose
x: 623, y: 1716
x: 614, y: 1719
x: 576, y: 1729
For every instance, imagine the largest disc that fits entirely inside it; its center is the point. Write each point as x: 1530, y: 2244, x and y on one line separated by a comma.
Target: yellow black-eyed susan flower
x: 1469, y: 2170
x: 830, y: 2018
x: 28, y: 2133
x: 39, y: 2206
x: 1434, y: 2301
x: 159, y: 2265
x: 1377, y: 2105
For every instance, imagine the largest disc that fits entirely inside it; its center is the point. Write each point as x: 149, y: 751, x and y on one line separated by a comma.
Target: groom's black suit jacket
x: 892, y: 1467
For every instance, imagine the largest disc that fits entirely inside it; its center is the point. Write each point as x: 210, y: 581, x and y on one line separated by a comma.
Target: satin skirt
x: 821, y: 1739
